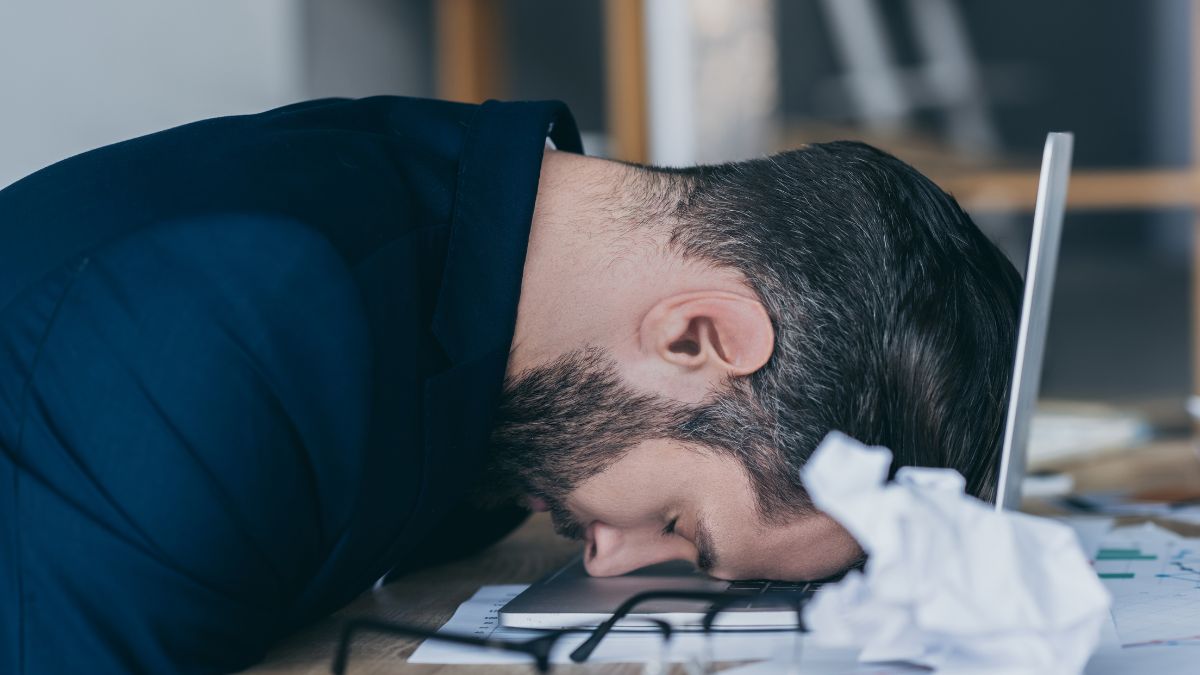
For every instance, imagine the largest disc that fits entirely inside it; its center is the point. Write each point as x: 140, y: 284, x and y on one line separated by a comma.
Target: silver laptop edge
x: 1035, y: 314
x: 569, y: 597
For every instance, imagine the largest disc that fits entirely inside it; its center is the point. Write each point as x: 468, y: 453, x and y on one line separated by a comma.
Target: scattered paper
x: 479, y: 617
x: 1154, y: 578
x: 1158, y: 660
x: 1109, y: 659
x: 950, y: 583
x: 825, y: 662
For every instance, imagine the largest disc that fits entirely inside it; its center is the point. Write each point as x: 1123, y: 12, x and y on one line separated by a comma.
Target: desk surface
x: 429, y: 597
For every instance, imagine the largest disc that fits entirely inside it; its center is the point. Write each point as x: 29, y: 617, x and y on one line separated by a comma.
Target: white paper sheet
x: 1154, y: 578
x: 1158, y: 660
x: 824, y: 662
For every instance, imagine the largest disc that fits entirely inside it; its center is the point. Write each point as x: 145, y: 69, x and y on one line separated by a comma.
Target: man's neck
x: 595, y: 265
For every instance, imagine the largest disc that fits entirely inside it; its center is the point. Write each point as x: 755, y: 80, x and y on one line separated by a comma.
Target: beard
x: 559, y: 424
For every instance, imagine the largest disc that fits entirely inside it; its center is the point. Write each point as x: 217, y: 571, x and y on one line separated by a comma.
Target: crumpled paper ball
x: 950, y: 583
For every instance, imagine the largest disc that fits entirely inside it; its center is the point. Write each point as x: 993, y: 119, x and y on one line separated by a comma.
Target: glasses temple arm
x: 584, y: 650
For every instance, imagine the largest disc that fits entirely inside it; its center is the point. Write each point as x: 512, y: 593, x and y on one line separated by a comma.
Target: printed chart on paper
x: 1154, y: 579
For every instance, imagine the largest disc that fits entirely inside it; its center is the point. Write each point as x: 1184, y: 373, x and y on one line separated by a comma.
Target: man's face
x: 666, y: 501
x: 647, y: 498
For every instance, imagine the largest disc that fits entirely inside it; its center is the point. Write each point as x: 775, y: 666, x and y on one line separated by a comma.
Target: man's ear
x: 717, y: 330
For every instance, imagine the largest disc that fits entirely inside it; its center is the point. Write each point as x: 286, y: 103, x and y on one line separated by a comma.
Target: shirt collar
x: 497, y: 185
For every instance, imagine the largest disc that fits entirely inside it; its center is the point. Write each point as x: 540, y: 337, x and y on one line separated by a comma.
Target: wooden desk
x: 429, y: 597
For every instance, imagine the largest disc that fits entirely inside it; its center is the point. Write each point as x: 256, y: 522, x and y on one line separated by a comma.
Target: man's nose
x: 612, y: 551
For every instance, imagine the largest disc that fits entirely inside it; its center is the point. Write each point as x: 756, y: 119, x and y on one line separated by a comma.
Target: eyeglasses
x: 539, y: 648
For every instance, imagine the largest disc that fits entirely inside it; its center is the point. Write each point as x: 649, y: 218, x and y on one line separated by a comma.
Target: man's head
x: 686, y: 338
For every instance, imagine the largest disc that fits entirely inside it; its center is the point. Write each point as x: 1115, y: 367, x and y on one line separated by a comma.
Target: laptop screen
x: 1035, y: 315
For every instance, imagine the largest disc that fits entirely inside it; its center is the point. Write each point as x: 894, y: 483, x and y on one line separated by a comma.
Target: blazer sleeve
x: 191, y: 415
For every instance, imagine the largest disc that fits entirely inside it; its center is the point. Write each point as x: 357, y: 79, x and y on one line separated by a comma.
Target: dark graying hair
x: 895, y: 317
x: 895, y: 322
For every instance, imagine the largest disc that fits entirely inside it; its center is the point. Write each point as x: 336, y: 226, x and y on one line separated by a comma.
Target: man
x: 251, y: 365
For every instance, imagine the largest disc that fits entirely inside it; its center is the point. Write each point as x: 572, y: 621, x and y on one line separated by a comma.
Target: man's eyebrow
x: 565, y: 523
x: 706, y: 557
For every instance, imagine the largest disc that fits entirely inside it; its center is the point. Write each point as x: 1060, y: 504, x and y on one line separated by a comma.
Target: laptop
x: 569, y: 597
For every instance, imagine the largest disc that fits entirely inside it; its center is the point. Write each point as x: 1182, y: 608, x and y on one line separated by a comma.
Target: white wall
x: 77, y: 74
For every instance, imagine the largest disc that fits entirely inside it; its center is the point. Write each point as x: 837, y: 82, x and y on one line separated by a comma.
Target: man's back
x: 359, y: 172
x: 229, y: 399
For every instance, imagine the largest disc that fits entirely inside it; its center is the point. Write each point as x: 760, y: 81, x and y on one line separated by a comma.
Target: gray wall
x: 75, y: 75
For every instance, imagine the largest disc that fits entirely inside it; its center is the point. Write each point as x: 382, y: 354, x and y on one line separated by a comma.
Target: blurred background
x: 966, y: 91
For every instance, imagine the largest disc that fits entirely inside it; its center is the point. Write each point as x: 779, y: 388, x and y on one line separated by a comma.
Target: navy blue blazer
x: 247, y: 367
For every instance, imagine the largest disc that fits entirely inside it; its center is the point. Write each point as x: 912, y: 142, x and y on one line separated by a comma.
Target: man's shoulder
x: 361, y: 172
x: 383, y: 115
